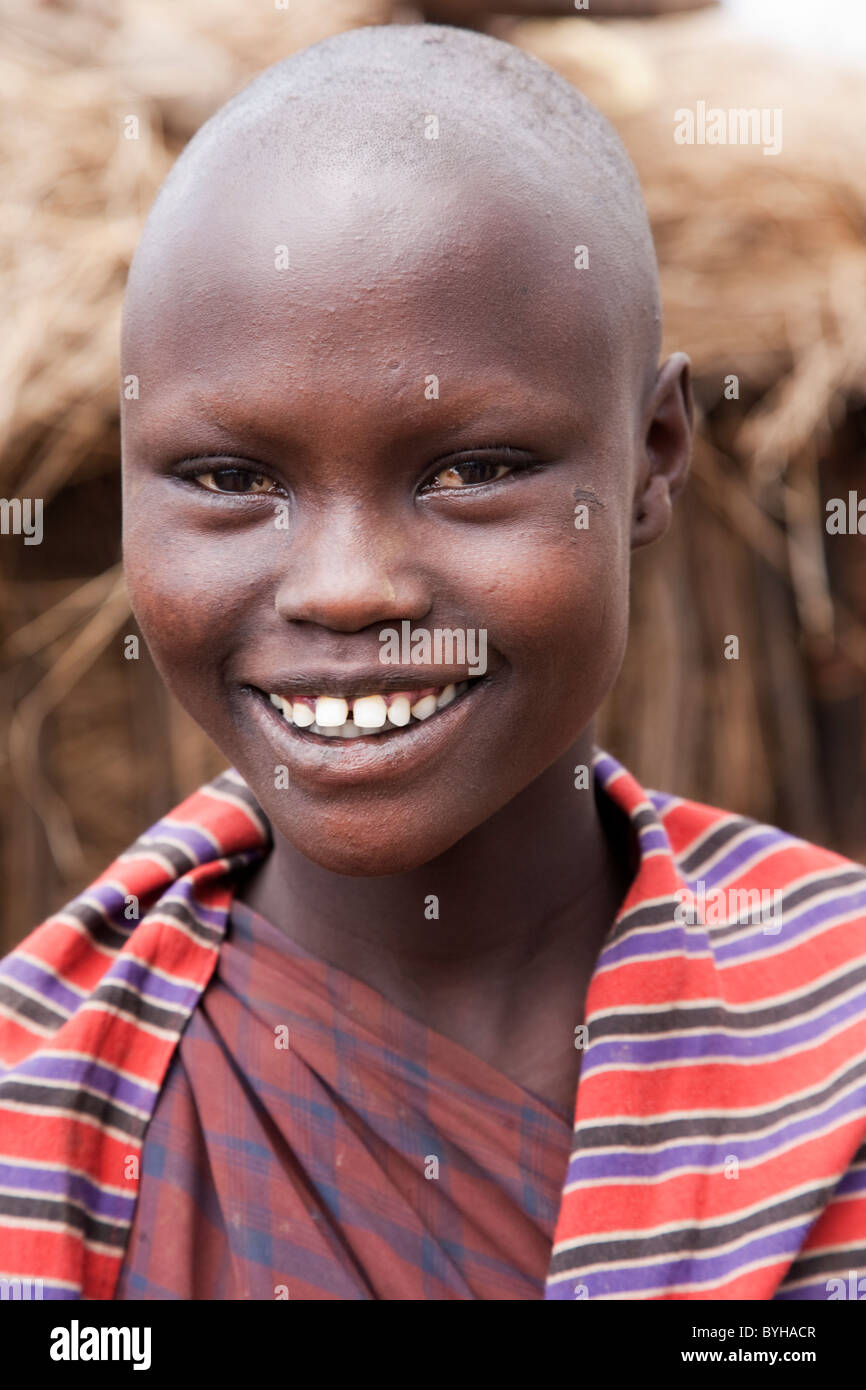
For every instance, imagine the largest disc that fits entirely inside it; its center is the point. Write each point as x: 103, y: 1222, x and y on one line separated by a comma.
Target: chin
x: 360, y: 852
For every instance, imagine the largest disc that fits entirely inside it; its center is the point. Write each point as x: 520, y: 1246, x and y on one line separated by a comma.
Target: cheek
x: 190, y: 597
x: 557, y: 600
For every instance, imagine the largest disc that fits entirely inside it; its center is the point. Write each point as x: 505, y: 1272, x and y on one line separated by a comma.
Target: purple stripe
x: 49, y: 988
x: 853, y: 1181
x: 52, y: 1291
x: 717, y: 1046
x: 606, y: 767
x: 806, y: 1293
x: 653, y: 837
x: 196, y: 841
x: 141, y: 978
x: 91, y: 1074
x: 75, y: 1186
x: 643, y: 942
x: 640, y: 942
x: 682, y: 1269
x: 111, y: 899
x: 797, y: 924
x: 731, y: 862
x: 186, y: 892
x: 587, y: 1166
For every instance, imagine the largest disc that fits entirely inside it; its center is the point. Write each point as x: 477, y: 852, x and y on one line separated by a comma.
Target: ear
x: 667, y: 449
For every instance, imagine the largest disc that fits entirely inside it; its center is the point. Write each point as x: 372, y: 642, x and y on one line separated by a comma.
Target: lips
x: 386, y: 753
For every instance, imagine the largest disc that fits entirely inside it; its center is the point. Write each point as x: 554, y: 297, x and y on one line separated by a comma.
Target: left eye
x: 491, y: 470
x: 235, y: 480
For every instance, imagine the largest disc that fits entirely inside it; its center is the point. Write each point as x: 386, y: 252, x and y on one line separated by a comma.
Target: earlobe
x: 667, y: 451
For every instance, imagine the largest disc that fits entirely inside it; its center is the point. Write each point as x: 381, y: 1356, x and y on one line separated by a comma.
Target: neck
x: 524, y: 902
x: 499, y: 890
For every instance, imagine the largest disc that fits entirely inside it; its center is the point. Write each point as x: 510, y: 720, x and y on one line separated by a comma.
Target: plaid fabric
x: 719, y: 1148
x: 371, y: 1158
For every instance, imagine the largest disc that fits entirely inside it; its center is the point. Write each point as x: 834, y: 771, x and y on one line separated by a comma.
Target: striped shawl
x: 720, y: 1129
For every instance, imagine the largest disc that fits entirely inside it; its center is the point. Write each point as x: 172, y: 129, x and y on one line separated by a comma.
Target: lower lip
x: 313, y: 757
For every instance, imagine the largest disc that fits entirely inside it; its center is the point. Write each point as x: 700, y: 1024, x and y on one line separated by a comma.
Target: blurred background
x: 763, y: 264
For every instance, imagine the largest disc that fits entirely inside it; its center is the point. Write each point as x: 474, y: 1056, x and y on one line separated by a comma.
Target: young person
x: 425, y: 998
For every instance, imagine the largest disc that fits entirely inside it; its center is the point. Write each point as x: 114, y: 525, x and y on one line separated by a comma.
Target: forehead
x: 314, y: 283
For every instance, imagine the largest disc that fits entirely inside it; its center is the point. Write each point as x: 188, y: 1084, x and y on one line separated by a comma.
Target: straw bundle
x: 763, y: 267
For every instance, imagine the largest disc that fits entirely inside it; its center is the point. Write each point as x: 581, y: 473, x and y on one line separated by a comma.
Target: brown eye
x: 472, y: 471
x: 235, y: 480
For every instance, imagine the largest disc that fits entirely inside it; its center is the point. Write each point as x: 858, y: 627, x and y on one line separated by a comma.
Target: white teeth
x: 425, y: 707
x: 369, y: 712
x: 399, y: 712
x: 331, y: 713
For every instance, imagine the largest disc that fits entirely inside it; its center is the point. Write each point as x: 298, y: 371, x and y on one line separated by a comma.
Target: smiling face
x: 397, y: 427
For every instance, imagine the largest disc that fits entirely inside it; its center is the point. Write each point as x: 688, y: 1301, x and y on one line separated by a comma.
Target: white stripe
x: 28, y: 1026
x: 709, y: 1170
x: 659, y: 1117
x: 108, y: 1188
x: 77, y: 1088
x: 63, y: 920
x: 65, y: 1118
x: 220, y: 794
x: 68, y: 1200
x: 719, y: 1059
x: 686, y: 1230
x: 20, y: 954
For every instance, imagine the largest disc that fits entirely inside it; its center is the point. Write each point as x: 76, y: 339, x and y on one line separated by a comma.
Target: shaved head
x: 437, y: 107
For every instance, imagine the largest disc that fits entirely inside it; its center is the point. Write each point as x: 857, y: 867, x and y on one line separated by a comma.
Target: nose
x: 347, y: 571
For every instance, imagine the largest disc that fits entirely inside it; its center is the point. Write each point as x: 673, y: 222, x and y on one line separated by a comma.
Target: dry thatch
x: 764, y: 272
x: 763, y: 267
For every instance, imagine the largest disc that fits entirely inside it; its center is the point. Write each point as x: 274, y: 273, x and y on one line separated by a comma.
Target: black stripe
x: 73, y: 1101
x: 656, y: 915
x: 181, y: 860
x: 241, y: 792
x: 104, y: 933
x: 24, y: 1007
x: 715, y: 841
x: 179, y: 912
x: 126, y: 997
x: 700, y: 1018
x: 794, y: 899
x: 60, y: 1210
x: 811, y: 1266
x: 691, y: 1240
x: 638, y: 1134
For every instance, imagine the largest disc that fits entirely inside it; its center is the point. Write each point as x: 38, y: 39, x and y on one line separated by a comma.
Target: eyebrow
x: 199, y: 422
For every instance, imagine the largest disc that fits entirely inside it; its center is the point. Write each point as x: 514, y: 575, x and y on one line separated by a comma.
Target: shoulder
x: 155, y: 913
x: 707, y: 839
x: 744, y: 873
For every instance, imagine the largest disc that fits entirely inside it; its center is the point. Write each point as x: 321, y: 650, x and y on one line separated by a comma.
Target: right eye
x: 238, y: 482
